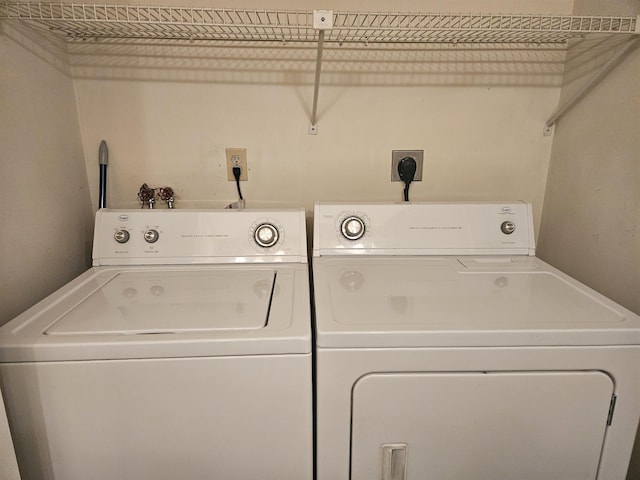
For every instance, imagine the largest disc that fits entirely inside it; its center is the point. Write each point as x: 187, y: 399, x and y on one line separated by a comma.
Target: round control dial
x: 508, y: 227
x: 266, y: 235
x: 352, y: 228
x: 121, y: 236
x: 151, y: 236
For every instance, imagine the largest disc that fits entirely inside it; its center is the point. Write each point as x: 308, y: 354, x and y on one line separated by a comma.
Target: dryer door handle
x: 394, y: 461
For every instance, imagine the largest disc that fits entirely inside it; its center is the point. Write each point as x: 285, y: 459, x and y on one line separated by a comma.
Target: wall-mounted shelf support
x: 313, y: 128
x: 604, y: 70
x: 322, y: 20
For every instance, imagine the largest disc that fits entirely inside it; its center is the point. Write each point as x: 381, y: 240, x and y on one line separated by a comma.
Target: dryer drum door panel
x: 481, y: 426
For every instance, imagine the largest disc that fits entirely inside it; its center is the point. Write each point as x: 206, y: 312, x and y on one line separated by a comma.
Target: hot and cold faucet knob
x: 151, y: 236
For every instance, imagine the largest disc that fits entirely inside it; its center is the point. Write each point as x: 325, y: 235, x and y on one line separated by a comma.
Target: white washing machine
x: 185, y: 352
x: 447, y: 350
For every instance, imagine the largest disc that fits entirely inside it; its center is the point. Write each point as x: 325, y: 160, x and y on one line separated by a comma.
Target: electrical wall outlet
x: 397, y: 155
x: 237, y: 157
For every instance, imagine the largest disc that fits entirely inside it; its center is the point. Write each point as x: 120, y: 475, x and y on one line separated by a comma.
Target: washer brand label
x: 123, y: 218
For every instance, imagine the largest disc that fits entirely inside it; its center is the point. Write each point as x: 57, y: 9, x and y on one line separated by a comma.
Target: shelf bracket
x: 313, y: 128
x: 322, y: 20
x: 591, y: 83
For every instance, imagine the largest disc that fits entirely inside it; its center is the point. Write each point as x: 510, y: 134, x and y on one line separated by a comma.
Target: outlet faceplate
x: 237, y: 157
x: 397, y: 155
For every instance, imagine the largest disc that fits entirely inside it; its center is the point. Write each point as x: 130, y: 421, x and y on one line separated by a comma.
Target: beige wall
x: 591, y: 222
x: 168, y: 114
x: 46, y: 213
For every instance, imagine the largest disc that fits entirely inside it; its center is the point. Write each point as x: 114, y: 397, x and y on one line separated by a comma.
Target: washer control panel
x: 423, y: 229
x: 198, y: 236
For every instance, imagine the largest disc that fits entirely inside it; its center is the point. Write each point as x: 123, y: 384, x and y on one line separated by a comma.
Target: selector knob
x: 151, y: 236
x: 352, y: 228
x: 508, y: 227
x: 266, y: 235
x: 121, y: 236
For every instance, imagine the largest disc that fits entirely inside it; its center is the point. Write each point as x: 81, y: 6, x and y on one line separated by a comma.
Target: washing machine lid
x: 167, y: 311
x: 461, y: 301
x: 134, y: 303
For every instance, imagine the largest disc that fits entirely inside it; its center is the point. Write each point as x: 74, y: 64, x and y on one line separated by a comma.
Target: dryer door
x: 481, y: 426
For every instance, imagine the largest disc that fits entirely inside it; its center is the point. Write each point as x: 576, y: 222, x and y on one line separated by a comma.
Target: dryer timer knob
x: 266, y: 235
x: 508, y: 227
x: 352, y: 228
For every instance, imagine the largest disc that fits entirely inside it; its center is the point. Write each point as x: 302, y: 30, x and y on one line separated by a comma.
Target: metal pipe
x: 103, y: 158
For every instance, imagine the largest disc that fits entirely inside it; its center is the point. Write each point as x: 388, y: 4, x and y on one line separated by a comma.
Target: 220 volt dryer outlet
x: 397, y: 155
x: 237, y: 157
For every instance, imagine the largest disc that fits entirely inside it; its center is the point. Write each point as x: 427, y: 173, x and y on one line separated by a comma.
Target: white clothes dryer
x: 447, y: 350
x: 184, y: 352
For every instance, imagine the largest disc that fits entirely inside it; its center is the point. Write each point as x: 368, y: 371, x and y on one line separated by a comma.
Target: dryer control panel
x: 139, y: 237
x: 423, y: 229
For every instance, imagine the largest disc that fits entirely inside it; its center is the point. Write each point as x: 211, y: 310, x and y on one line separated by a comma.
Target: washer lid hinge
x: 612, y: 407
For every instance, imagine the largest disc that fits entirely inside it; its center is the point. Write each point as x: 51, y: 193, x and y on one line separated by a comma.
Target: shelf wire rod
x: 316, y: 87
x: 593, y: 81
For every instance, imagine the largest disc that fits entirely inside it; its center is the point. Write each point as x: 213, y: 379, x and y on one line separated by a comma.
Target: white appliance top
x: 166, y: 311
x: 148, y: 237
x: 389, y: 290
x: 228, y: 296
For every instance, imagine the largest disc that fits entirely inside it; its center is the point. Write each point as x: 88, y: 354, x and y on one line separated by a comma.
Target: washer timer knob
x: 352, y: 228
x: 121, y: 236
x: 151, y: 236
x: 508, y: 227
x: 266, y: 235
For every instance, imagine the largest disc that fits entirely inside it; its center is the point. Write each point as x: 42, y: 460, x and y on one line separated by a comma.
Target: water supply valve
x: 146, y: 195
x: 166, y: 194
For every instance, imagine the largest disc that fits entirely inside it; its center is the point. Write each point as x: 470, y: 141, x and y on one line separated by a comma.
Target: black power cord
x: 407, y: 171
x: 237, y: 171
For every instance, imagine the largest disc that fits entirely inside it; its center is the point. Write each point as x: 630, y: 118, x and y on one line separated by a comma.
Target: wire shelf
x: 91, y: 21
x: 472, y: 28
